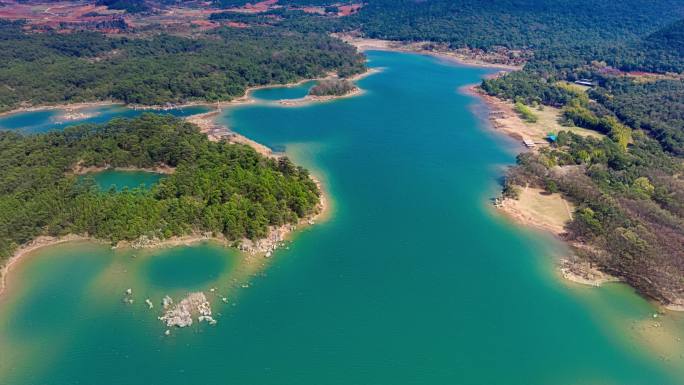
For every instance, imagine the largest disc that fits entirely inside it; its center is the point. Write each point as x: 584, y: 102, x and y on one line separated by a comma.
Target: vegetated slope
x: 57, y: 68
x: 222, y: 188
x: 628, y: 187
x: 513, y: 23
x: 669, y: 38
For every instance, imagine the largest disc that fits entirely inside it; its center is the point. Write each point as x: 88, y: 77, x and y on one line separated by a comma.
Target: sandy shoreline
x: 25, y: 250
x: 503, y: 120
x: 535, y: 208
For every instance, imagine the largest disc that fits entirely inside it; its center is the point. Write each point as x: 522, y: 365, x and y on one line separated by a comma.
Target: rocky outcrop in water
x: 182, y: 313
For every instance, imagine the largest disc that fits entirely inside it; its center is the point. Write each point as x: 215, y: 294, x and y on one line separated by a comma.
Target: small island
x: 330, y: 88
x: 333, y: 87
x: 215, y: 189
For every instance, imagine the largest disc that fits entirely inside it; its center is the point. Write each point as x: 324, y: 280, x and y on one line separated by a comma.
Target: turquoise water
x: 47, y: 120
x: 280, y: 93
x: 412, y: 279
x: 120, y: 180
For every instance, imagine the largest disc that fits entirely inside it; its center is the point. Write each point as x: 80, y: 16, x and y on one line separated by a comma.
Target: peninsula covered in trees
x: 48, y: 68
x: 217, y: 187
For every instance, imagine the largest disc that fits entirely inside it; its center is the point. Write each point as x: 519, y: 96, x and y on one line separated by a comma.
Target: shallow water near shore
x: 412, y: 280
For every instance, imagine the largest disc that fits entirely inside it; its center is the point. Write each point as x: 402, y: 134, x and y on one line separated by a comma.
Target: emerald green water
x: 412, y: 280
x: 120, y: 180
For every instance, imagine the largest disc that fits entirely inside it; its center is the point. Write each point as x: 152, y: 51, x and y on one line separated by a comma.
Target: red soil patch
x: 262, y: 6
x: 346, y: 10
x: 60, y: 14
x: 204, y: 25
x: 235, y: 24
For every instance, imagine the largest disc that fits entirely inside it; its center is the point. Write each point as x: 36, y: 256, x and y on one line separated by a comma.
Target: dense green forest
x: 222, y: 188
x: 43, y: 68
x: 509, y: 23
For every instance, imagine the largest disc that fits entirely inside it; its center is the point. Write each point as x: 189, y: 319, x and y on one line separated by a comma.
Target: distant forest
x: 44, y: 68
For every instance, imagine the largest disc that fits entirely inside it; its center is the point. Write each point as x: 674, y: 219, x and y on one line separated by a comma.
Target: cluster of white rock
x: 128, y: 296
x: 275, y: 239
x: 181, y: 314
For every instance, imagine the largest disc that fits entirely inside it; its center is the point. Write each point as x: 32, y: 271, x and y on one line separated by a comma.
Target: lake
x: 414, y: 278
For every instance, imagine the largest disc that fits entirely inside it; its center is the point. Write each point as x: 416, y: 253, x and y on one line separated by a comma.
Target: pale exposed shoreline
x: 570, y: 269
x: 159, y: 169
x: 523, y: 213
x: 365, y: 44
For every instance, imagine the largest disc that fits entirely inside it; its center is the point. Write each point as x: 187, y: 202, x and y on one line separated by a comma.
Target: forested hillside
x: 43, y: 68
x: 509, y: 23
x: 222, y: 188
x: 628, y: 187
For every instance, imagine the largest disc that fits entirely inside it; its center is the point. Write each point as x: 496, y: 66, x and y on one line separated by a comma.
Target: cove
x: 282, y: 93
x: 412, y: 280
x: 53, y: 119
